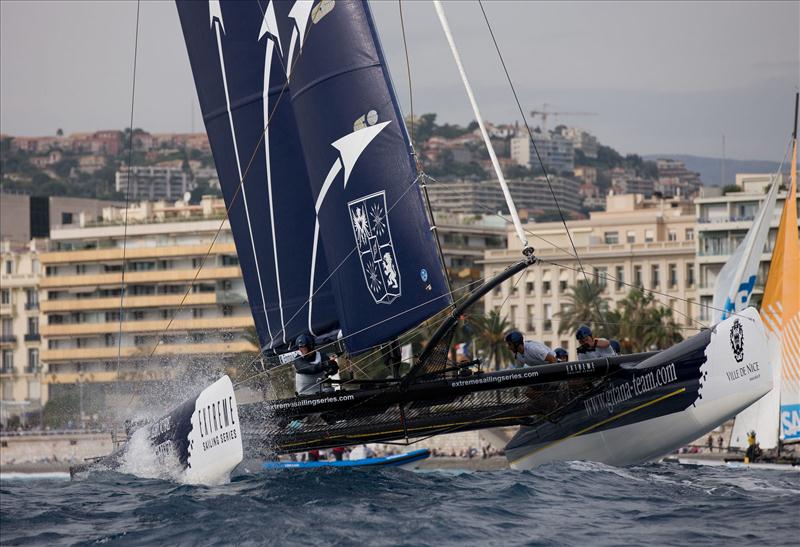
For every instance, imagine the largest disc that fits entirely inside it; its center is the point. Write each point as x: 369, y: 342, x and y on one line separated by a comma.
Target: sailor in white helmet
x: 312, y: 368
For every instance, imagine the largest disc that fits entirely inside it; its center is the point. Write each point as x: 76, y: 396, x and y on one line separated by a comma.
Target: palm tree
x: 585, y: 305
x: 646, y: 325
x: 490, y: 334
x: 664, y: 331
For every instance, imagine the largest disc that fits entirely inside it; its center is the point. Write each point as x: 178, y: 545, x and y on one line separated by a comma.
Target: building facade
x: 153, y: 183
x: 722, y: 223
x: 179, y: 310
x: 556, y: 151
x: 482, y: 197
x: 21, y: 372
x: 635, y: 242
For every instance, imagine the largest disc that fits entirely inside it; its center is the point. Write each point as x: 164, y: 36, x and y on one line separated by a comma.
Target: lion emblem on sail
x: 370, y: 221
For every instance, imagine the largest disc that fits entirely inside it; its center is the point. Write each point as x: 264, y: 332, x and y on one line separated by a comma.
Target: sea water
x: 570, y: 503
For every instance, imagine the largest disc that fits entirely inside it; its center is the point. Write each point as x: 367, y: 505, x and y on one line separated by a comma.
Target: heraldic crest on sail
x: 373, y: 236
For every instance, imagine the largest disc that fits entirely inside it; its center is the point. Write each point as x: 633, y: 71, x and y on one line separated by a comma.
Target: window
x: 673, y: 276
x: 138, y: 315
x: 655, y: 280
x: 689, y: 234
x: 637, y: 276
x: 31, y: 299
x: 630, y: 236
x: 81, y: 342
x: 197, y: 312
x: 8, y: 327
x: 80, y: 269
x: 9, y: 267
x: 690, y: 275
x: 109, y: 340
x: 672, y: 235
x: 649, y: 236
x: 66, y: 218
x: 546, y: 287
x: 529, y: 287
x: 226, y: 285
x: 562, y: 286
x: 548, y: 317
x: 112, y: 316
x: 228, y: 260
x: 611, y: 238
x: 531, y: 314
x: 5, y: 296
x: 619, y: 273
x: 227, y: 311
x: 8, y: 360
x: 33, y: 360
x: 33, y: 325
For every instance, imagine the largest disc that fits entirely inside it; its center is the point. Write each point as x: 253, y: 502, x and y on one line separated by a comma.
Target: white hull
x: 725, y: 391
x: 739, y: 465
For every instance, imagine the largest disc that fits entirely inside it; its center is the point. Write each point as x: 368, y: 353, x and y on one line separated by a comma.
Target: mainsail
x: 240, y: 62
x: 328, y: 221
x: 780, y: 309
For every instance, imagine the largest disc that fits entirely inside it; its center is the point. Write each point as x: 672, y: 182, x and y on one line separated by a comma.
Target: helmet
x: 615, y: 346
x: 582, y: 332
x: 514, y: 337
x: 304, y: 340
x: 560, y: 352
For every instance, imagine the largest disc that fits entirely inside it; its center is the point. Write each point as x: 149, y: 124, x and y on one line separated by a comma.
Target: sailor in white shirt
x: 591, y: 347
x: 530, y: 353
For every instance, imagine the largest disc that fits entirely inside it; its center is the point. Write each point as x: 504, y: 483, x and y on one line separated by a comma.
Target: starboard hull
x: 660, y: 404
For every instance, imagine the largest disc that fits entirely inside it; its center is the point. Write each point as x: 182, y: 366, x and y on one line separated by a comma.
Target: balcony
x: 7, y: 310
x: 33, y: 337
x: 230, y: 297
x: 8, y: 339
x: 32, y: 306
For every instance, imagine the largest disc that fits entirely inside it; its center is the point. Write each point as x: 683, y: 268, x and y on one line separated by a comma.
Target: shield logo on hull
x: 370, y: 221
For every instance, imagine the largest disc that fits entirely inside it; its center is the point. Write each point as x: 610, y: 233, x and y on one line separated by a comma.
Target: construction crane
x: 544, y: 113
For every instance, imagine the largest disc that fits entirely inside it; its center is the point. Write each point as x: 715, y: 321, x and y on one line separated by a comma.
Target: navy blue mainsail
x: 385, y: 270
x: 239, y: 59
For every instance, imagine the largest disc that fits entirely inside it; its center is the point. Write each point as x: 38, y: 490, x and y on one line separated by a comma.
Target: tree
x: 645, y: 325
x: 585, y: 305
x: 491, y: 332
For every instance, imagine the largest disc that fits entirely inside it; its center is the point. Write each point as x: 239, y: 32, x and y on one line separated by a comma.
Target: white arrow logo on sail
x: 269, y: 27
x: 350, y: 148
x: 300, y: 12
x: 215, y: 16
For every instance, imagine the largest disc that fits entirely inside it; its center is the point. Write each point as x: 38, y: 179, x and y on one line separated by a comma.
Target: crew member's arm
x: 550, y: 357
x: 601, y: 343
x: 304, y: 367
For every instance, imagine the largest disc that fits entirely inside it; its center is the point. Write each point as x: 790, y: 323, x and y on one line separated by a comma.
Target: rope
x: 127, y: 191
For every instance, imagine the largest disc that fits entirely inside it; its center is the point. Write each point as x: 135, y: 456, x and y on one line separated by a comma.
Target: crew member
x: 312, y: 368
x: 591, y: 347
x: 528, y: 353
x: 561, y: 355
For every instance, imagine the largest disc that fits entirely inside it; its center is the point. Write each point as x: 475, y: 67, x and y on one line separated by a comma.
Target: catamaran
x: 335, y: 238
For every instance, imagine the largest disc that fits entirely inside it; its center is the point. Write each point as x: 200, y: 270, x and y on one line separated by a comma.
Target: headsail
x: 385, y: 270
x: 780, y: 309
x: 240, y: 58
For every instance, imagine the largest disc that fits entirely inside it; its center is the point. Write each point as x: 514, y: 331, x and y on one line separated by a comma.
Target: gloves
x: 331, y: 368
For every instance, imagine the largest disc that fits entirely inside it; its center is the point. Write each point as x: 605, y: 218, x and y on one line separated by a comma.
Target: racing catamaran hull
x: 660, y: 404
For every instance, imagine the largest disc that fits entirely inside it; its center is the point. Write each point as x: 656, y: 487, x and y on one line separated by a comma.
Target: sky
x: 659, y: 77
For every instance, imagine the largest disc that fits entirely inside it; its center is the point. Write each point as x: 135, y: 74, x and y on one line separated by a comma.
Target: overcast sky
x: 661, y: 77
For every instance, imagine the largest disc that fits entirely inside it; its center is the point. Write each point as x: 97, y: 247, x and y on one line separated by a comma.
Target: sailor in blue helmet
x: 561, y: 355
x: 591, y: 347
x: 312, y: 368
x: 528, y: 353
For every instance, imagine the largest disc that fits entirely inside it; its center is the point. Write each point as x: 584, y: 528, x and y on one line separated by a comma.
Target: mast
x: 526, y: 249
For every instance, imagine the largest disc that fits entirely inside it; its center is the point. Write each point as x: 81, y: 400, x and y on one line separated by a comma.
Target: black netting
x: 438, y: 359
x: 377, y: 417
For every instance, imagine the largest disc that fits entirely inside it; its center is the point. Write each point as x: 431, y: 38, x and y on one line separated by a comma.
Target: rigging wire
x: 538, y: 156
x: 127, y: 191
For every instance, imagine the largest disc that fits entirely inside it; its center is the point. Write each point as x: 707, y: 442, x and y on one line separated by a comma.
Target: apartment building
x: 557, y: 152
x: 21, y: 372
x: 153, y: 182
x: 486, y: 196
x: 87, y: 326
x: 636, y: 241
x: 722, y: 223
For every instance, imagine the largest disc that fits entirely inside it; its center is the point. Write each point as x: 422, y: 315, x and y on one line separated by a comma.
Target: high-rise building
x: 634, y: 242
x: 582, y: 140
x: 556, y: 151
